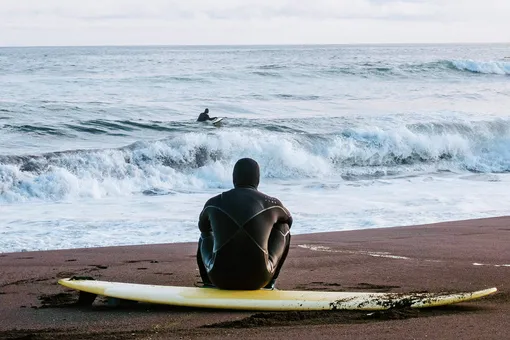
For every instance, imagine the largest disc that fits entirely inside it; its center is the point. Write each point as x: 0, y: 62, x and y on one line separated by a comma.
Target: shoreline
x: 447, y: 256
x: 293, y: 235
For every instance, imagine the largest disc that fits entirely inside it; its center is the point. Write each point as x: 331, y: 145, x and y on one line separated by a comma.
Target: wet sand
x: 455, y: 256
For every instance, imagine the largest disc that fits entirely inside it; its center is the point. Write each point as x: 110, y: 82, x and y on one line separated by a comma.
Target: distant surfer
x: 245, y: 234
x: 204, y: 116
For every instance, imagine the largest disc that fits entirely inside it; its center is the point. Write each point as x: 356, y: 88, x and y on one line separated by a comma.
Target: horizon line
x: 261, y: 45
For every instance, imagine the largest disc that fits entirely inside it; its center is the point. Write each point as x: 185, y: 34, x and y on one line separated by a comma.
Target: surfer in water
x: 245, y: 234
x: 205, y: 116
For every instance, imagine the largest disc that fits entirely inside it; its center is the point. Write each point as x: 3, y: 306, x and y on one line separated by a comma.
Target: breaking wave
x: 487, y: 67
x: 198, y: 160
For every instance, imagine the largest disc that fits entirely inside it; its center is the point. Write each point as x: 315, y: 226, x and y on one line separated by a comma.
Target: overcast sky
x: 160, y: 22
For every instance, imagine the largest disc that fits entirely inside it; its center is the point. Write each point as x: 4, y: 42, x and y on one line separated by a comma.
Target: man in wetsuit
x: 245, y: 235
x: 205, y: 116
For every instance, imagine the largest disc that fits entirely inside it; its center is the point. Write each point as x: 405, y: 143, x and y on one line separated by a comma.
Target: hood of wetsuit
x: 246, y: 173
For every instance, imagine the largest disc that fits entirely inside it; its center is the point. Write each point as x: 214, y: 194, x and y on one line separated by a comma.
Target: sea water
x: 99, y: 145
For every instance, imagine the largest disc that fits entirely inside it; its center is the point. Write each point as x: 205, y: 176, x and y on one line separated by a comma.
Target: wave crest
x: 194, y: 161
x: 486, y: 67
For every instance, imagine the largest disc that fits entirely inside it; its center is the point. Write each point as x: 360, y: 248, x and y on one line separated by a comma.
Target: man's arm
x: 204, y: 224
x: 289, y: 219
x: 285, y: 216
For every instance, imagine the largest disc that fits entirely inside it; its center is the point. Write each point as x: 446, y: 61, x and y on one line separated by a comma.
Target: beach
x: 451, y: 256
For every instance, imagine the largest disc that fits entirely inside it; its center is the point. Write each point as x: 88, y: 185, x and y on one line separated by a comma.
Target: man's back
x: 242, y: 210
x: 244, y: 234
x: 204, y: 116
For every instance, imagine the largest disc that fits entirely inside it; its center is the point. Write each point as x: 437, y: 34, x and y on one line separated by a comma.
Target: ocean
x: 99, y: 145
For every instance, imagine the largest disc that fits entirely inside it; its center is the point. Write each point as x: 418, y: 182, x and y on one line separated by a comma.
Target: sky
x: 219, y: 22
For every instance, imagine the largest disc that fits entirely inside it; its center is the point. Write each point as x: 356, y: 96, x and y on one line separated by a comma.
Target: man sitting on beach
x: 205, y: 116
x: 245, y: 235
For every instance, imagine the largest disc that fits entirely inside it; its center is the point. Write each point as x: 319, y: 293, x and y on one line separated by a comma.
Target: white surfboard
x: 217, y: 121
x: 268, y: 300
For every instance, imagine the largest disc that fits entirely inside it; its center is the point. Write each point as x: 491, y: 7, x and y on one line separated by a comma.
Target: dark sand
x: 433, y: 258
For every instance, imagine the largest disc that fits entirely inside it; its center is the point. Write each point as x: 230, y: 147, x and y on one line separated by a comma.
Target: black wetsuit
x: 245, y: 235
x: 205, y: 116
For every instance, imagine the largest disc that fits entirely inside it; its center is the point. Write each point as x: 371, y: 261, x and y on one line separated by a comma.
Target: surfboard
x: 217, y: 121
x: 267, y: 300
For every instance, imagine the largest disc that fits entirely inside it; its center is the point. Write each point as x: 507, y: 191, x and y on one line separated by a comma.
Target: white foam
x: 491, y: 265
x: 316, y: 206
x: 360, y: 252
x: 196, y: 161
x: 94, y: 198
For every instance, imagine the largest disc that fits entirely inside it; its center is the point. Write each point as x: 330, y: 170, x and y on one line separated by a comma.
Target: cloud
x: 222, y: 10
x: 70, y: 22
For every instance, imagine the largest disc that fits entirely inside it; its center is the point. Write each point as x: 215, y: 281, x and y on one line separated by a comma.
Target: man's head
x: 246, y: 173
x: 206, y: 111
